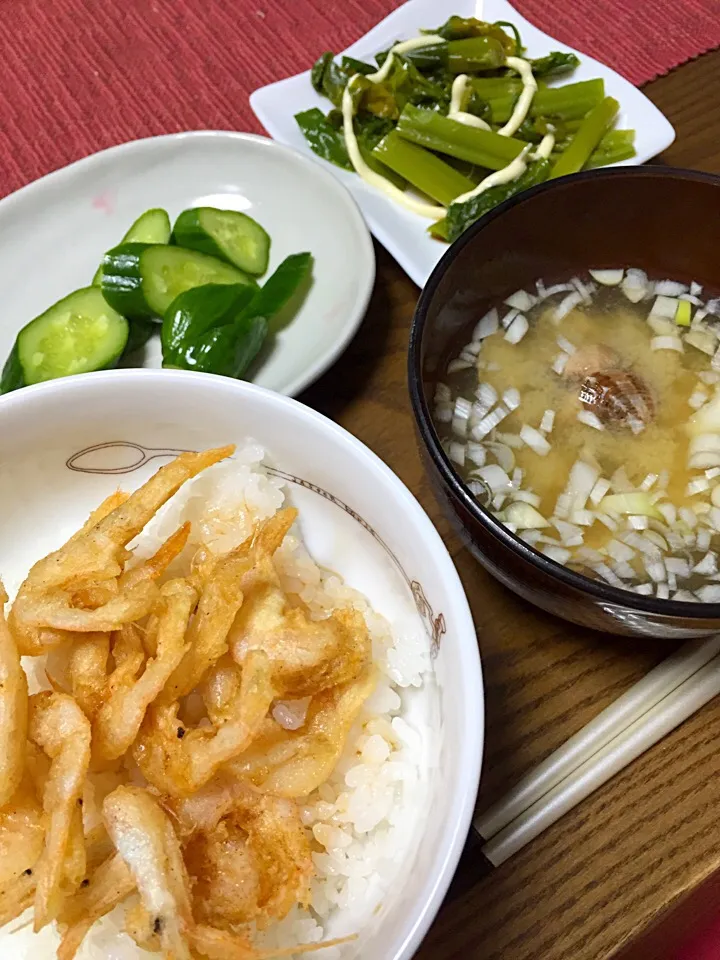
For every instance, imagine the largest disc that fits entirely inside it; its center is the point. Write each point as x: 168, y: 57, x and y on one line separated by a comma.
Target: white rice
x: 365, y: 820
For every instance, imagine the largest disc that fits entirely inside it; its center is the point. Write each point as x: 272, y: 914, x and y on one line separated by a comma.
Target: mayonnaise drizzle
x: 544, y: 148
x: 524, y: 100
x: 516, y: 168
x: 457, y: 94
x: 370, y: 176
x: 405, y: 47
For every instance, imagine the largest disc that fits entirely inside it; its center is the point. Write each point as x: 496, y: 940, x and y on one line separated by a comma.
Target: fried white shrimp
x: 201, y: 812
x: 178, y: 762
x: 224, y: 945
x: 225, y: 580
x: 60, y: 728
x: 306, y: 655
x: 221, y: 690
x: 254, y: 865
x: 83, y: 671
x: 75, y: 862
x: 145, y: 839
x: 98, y: 554
x: 294, y: 763
x: 22, y: 833
x: 94, y: 595
x: 13, y: 710
x: 87, y: 671
x: 111, y: 883
x: 16, y: 897
x: 225, y: 876
x: 221, y: 944
x: 119, y: 719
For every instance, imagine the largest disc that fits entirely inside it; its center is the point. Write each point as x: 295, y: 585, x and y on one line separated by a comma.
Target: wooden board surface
x: 598, y: 878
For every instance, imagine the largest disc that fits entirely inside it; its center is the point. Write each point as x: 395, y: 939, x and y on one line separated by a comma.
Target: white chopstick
x: 629, y: 707
x: 646, y: 731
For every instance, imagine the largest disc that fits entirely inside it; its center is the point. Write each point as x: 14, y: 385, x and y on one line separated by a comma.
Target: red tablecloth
x: 80, y: 75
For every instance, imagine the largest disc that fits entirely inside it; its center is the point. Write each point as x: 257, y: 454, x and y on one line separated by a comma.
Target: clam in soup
x: 586, y: 416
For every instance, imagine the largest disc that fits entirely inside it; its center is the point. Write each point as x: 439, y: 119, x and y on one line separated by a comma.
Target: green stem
x: 615, y: 146
x: 495, y: 88
x: 475, y: 53
x: 426, y: 172
x: 568, y: 102
x: 466, y: 55
x: 587, y: 138
x: 435, y: 132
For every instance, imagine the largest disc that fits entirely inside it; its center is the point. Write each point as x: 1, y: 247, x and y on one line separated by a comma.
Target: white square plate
x: 401, y: 232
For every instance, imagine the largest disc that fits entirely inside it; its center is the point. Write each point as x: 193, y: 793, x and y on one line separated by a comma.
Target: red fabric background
x: 80, y: 75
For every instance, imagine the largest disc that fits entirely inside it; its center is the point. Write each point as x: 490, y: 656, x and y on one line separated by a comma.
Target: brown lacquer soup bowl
x: 663, y: 221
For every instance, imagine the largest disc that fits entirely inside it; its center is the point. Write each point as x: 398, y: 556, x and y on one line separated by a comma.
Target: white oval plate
x: 54, y: 232
x: 401, y: 232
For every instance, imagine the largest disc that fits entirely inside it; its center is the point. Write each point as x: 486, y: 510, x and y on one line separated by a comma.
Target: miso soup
x: 586, y: 416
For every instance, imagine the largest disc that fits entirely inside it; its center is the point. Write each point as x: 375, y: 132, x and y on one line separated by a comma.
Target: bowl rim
x: 610, y: 595
x: 469, y: 754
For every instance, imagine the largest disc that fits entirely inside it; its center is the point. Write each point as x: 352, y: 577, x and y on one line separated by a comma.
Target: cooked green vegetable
x: 483, y: 147
x: 474, y: 54
x: 325, y: 139
x: 587, y: 138
x: 428, y: 173
x: 496, y: 88
x: 460, y: 28
x: 570, y: 102
x: 78, y: 334
x: 615, y: 146
x: 423, y: 102
x: 226, y: 234
x: 555, y: 64
x: 351, y: 65
x: 153, y: 226
x: 461, y: 215
x: 142, y: 280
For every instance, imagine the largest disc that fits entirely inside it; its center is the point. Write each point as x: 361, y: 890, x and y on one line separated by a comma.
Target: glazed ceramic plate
x: 69, y: 443
x: 54, y: 232
x: 401, y: 232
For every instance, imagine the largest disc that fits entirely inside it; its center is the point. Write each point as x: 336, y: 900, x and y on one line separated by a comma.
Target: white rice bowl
x: 367, y: 820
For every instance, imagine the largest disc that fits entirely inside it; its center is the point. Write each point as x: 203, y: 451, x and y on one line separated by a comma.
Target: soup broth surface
x: 616, y: 394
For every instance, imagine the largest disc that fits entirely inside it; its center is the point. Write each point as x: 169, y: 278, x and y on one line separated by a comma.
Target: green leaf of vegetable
x: 461, y: 215
x: 324, y: 139
x: 555, y: 64
x: 317, y: 74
